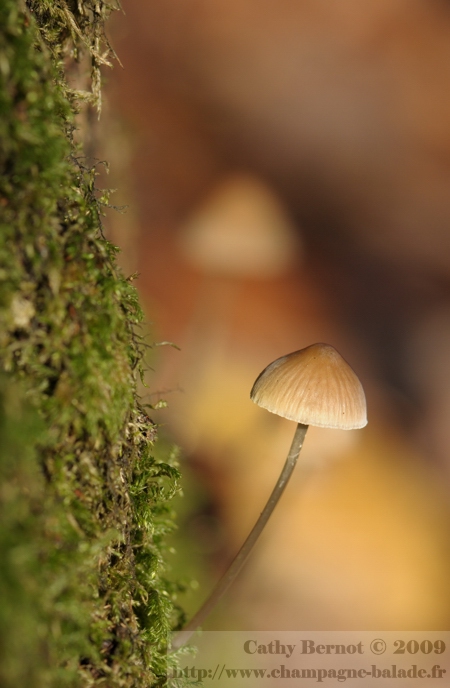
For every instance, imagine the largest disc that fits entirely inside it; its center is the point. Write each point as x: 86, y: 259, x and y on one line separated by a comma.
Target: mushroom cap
x: 241, y: 230
x: 313, y: 386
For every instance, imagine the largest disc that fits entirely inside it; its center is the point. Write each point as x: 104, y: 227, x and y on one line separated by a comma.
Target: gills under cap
x: 313, y: 386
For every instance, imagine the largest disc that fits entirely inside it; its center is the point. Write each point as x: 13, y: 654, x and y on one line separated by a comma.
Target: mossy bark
x: 84, y: 507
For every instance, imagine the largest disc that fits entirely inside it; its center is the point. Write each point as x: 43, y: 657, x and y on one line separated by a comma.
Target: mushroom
x: 313, y: 386
x: 241, y: 231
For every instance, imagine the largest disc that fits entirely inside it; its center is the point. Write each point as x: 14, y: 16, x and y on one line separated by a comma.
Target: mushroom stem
x: 238, y: 562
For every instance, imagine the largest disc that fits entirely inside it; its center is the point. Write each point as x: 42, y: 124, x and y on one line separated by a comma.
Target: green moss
x: 87, y: 506
x: 42, y: 625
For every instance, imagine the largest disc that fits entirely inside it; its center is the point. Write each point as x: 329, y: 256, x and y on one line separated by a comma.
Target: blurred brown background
x: 287, y: 168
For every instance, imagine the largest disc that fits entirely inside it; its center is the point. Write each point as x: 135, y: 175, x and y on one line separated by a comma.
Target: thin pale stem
x: 238, y: 562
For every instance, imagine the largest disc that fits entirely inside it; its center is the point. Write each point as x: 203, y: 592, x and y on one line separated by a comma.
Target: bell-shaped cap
x: 313, y: 386
x: 241, y: 230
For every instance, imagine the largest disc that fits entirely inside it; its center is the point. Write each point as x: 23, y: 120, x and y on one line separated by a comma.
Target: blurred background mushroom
x: 287, y: 168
